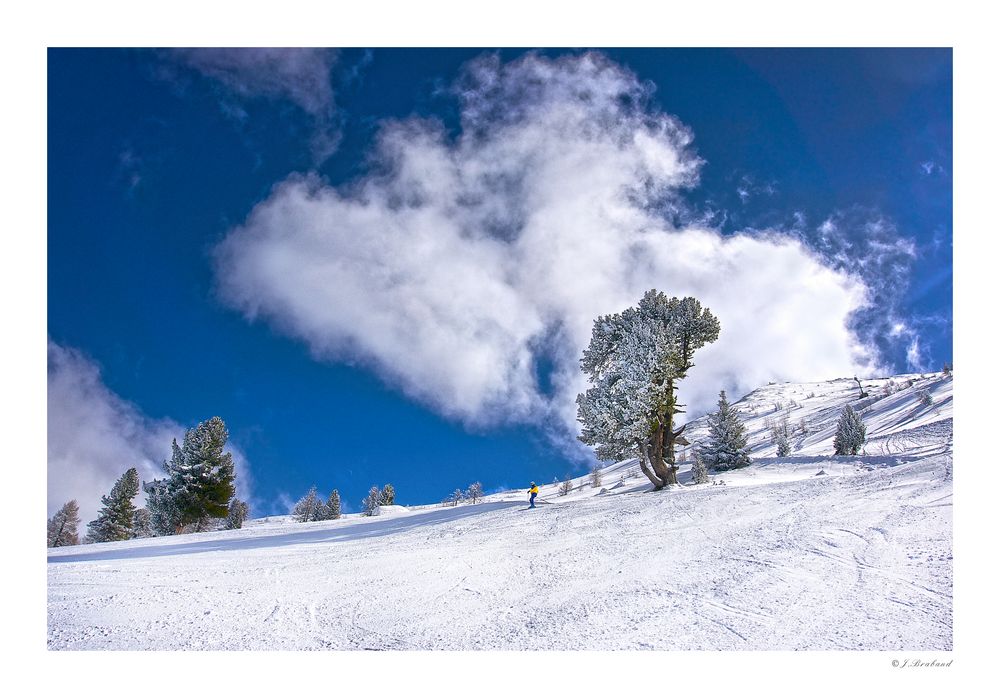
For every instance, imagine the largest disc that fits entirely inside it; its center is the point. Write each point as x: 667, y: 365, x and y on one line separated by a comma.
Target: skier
x: 533, y: 492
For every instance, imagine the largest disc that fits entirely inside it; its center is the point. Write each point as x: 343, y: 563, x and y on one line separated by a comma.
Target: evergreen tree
x: 851, y: 432
x: 369, y: 505
x: 595, y: 476
x: 699, y: 473
x: 163, y: 515
x: 308, y: 508
x: 333, y: 505
x: 475, y: 492
x: 62, y: 526
x: 199, y: 483
x: 142, y: 526
x: 566, y: 487
x: 387, y: 496
x: 726, y: 447
x: 239, y: 511
x: 634, y: 361
x: 456, y: 498
x: 779, y: 436
x: 115, y: 519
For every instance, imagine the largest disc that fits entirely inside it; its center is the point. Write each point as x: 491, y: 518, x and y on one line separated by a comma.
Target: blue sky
x: 379, y: 265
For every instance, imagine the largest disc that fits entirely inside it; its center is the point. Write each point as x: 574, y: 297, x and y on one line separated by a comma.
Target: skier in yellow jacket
x: 533, y: 492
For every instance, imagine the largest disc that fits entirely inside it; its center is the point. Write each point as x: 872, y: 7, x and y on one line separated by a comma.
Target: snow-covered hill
x: 808, y: 551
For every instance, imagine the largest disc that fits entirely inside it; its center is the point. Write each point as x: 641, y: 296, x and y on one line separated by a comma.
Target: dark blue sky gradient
x: 147, y: 173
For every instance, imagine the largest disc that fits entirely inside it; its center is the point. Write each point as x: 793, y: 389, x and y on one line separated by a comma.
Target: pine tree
x: 369, y: 504
x: 699, y: 472
x: 475, y: 492
x: 163, y: 515
x: 387, y: 497
x: 142, y: 526
x: 62, y: 526
x: 726, y: 447
x: 239, y: 511
x: 634, y: 362
x: 456, y: 497
x: 308, y: 508
x: 566, y: 487
x: 333, y: 505
x: 851, y: 432
x: 199, y: 483
x: 115, y: 519
x: 595, y: 476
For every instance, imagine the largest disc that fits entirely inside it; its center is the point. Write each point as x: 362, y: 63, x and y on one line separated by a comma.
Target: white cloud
x: 460, y: 263
x: 300, y: 75
x: 94, y: 436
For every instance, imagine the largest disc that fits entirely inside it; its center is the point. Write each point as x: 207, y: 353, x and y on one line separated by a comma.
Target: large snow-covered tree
x: 634, y: 362
x: 726, y: 446
x: 851, y: 433
x: 199, y: 483
x: 62, y: 526
x: 116, y: 518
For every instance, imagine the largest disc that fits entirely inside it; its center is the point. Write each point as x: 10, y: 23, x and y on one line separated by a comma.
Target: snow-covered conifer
x: 851, y: 432
x: 699, y: 472
x: 333, y: 505
x: 595, y: 476
x: 633, y: 362
x: 307, y: 508
x: 163, y: 515
x: 369, y: 504
x: 566, y: 487
x: 199, y: 483
x: 115, y: 519
x: 456, y: 497
x: 726, y: 447
x: 62, y: 526
x: 142, y: 526
x: 238, y: 513
x: 387, y: 496
x: 475, y: 492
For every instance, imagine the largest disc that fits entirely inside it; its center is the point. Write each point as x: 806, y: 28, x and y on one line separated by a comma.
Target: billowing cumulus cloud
x: 300, y: 75
x: 467, y: 269
x: 94, y: 436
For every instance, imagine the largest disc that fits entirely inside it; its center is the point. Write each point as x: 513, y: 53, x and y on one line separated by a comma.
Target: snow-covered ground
x: 803, y: 552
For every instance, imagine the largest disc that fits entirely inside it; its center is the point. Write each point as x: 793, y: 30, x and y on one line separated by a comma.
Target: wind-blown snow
x: 809, y: 551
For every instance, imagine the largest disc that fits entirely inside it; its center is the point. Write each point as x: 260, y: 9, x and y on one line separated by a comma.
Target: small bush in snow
x: 565, y: 487
x: 925, y: 398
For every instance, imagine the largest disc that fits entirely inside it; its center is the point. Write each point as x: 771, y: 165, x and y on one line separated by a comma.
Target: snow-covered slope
x: 809, y: 551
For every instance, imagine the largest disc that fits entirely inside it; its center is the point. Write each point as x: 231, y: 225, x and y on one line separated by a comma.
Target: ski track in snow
x: 778, y: 559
